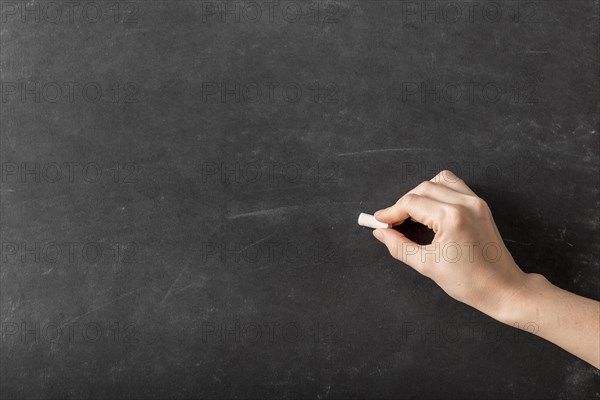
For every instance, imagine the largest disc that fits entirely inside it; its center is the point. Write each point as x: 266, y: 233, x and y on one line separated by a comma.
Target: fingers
x: 448, y: 179
x: 421, y: 209
x: 428, y: 202
x: 403, y: 249
x: 440, y: 193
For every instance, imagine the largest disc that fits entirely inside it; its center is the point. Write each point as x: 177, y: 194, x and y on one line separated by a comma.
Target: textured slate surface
x: 180, y: 184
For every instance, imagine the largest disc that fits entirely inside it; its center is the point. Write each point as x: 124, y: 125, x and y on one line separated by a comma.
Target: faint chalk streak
x: 172, y: 285
x: 357, y: 153
x: 75, y: 318
x: 267, y: 211
x: 255, y: 243
x: 276, y: 210
x: 252, y: 271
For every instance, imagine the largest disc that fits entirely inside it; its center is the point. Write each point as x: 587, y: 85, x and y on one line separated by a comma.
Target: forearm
x: 563, y: 318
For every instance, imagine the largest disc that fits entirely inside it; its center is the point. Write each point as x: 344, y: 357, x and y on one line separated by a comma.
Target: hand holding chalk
x: 470, y: 262
x: 371, y: 222
x: 467, y: 257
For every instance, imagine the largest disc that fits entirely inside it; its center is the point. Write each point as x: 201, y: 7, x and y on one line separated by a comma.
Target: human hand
x: 467, y: 257
x: 468, y: 260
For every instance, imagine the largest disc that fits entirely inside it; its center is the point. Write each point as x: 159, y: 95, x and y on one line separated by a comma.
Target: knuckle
x: 447, y: 176
x: 454, y: 215
x: 438, y: 177
x: 409, y: 198
x: 424, y: 187
x: 480, y: 205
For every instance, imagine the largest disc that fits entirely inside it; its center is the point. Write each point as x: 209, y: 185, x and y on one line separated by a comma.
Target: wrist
x: 521, y: 302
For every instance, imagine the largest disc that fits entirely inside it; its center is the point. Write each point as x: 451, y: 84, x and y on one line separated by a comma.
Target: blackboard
x: 181, y: 181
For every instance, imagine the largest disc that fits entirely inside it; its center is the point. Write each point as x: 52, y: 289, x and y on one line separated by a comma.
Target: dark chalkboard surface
x: 181, y: 182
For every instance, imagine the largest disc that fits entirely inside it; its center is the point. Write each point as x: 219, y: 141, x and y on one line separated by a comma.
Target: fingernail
x: 378, y: 212
x: 378, y: 235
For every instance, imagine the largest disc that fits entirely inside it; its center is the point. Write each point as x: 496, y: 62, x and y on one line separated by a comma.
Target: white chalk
x: 370, y: 222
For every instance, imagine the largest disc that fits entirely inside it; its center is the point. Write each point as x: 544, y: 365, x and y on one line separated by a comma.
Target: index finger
x: 421, y: 209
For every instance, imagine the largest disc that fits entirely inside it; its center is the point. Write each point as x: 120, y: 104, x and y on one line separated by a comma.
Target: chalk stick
x: 370, y: 222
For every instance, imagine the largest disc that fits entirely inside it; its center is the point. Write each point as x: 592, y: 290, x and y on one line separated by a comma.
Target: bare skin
x: 470, y: 262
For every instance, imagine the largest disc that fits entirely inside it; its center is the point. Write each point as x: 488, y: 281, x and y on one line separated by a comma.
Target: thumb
x: 402, y: 248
